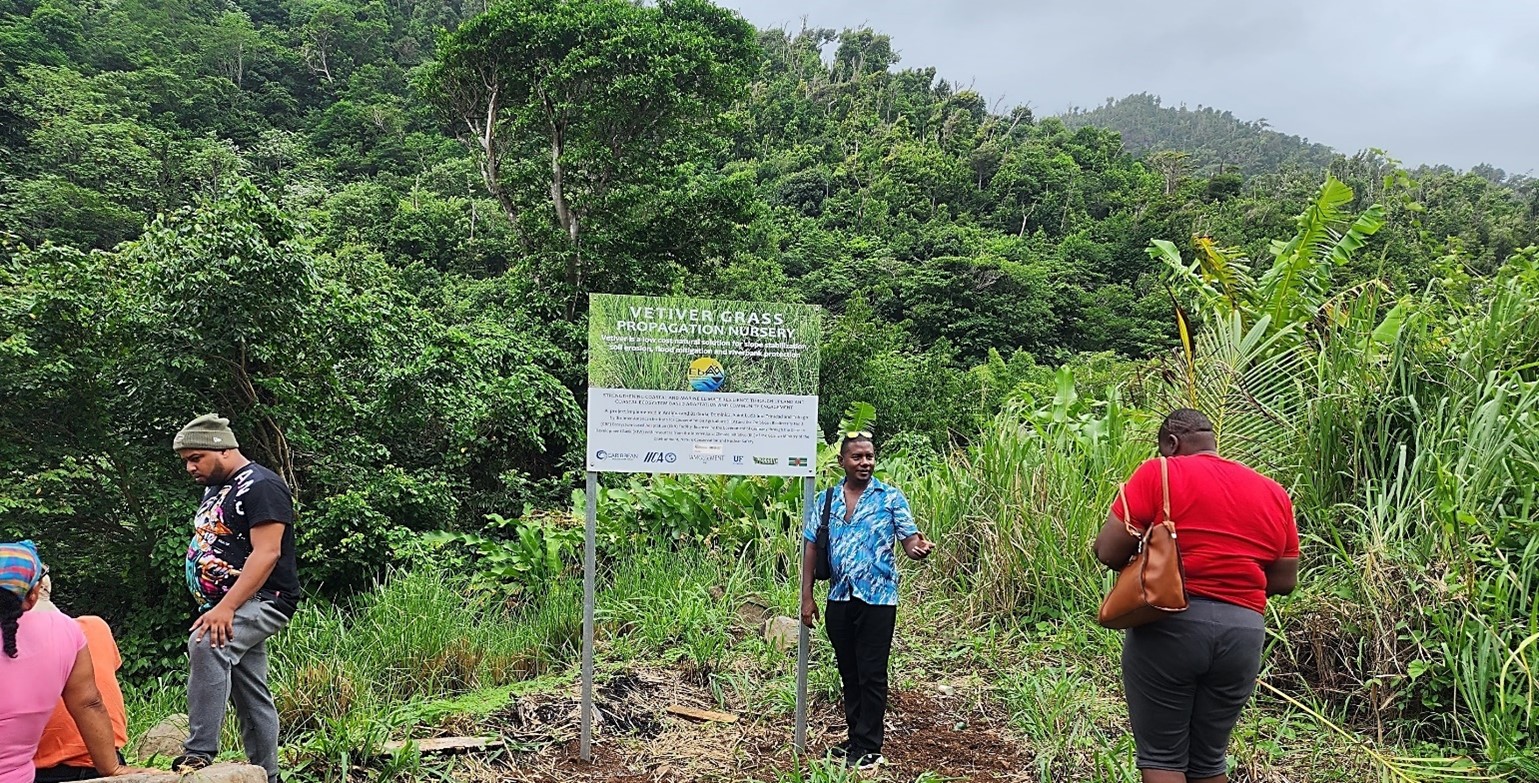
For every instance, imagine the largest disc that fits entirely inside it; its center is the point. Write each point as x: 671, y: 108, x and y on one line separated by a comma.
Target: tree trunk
x: 564, y: 214
x: 268, y: 435
x: 489, y: 161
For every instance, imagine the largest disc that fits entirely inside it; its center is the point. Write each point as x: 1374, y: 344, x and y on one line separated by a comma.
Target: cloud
x: 1431, y: 82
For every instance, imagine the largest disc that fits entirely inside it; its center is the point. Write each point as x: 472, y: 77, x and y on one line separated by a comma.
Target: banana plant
x: 1296, y: 288
x: 1246, y: 358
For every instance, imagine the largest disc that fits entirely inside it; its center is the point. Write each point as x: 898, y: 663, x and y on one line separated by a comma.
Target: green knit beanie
x: 208, y: 431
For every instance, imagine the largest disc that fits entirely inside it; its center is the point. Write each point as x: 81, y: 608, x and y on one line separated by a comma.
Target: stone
x: 165, y: 739
x: 945, y: 690
x: 783, y: 633
x: 218, y: 773
x: 227, y: 773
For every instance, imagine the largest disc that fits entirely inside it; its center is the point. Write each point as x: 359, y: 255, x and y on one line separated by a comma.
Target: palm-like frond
x: 858, y: 417
x: 1186, y: 281
x: 1250, y: 382
x: 1226, y: 268
x: 1249, y: 366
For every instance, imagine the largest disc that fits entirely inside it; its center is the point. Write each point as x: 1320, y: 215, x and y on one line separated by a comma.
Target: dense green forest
x: 1212, y: 140
x: 366, y: 231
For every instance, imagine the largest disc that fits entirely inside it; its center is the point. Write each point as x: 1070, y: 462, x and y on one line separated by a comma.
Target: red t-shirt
x: 1231, y: 523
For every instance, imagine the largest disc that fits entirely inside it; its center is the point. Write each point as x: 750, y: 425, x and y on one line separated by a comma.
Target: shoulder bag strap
x: 1127, y: 514
x: 1165, y: 488
x: 828, y: 503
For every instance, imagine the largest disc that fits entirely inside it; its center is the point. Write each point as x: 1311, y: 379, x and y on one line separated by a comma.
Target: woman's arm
x: 85, y: 705
x: 1282, y: 576
x: 1114, y: 546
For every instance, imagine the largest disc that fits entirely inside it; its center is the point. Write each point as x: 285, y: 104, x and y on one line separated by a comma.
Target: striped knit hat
x: 19, y: 568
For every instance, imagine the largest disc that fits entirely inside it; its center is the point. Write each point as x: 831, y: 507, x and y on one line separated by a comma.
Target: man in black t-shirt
x: 240, y: 569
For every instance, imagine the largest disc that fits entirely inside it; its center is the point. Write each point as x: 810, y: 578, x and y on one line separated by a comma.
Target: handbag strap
x: 1127, y: 514
x: 1165, y: 489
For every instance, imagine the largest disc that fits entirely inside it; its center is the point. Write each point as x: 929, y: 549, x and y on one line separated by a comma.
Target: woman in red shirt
x: 1188, y: 676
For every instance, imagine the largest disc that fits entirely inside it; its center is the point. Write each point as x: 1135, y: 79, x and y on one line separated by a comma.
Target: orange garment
x: 61, y: 743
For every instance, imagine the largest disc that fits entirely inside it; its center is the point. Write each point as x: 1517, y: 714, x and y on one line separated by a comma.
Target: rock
x: 945, y: 690
x: 226, y: 773
x: 218, y: 773
x: 783, y: 633
x: 165, y: 739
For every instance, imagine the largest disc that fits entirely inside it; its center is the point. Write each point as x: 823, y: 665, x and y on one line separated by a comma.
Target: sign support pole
x: 803, y: 644
x: 589, y: 567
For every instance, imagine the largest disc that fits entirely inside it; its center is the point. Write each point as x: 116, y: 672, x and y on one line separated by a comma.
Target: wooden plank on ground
x: 447, y: 744
x: 707, y: 715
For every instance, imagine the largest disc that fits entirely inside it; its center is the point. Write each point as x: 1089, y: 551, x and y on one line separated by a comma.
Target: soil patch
x: 958, y: 736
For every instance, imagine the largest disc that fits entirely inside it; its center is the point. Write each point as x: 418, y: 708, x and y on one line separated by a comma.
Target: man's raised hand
x: 917, y: 546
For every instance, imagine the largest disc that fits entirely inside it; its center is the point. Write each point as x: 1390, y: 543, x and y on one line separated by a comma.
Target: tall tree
x: 598, y: 88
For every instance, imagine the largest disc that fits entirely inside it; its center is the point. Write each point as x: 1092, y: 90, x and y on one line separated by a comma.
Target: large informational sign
x: 680, y: 385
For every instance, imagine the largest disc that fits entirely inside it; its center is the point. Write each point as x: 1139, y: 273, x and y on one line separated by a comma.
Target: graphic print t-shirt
x: 221, y: 539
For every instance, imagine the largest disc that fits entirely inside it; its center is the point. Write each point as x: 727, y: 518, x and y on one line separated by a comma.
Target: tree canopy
x: 365, y: 231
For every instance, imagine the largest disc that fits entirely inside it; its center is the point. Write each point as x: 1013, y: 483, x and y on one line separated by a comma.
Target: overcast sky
x: 1429, y: 81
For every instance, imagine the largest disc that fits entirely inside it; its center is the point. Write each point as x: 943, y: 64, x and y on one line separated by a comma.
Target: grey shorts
x: 1187, y: 678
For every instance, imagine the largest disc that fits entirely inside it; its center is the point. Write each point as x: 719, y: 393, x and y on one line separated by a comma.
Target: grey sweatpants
x: 1187, y: 677
x: 235, y: 673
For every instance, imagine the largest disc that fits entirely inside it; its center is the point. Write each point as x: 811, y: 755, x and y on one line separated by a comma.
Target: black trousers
x: 1187, y: 678
x: 63, y: 773
x: 862, y: 638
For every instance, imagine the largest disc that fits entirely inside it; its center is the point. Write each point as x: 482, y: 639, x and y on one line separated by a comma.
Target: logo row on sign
x: 669, y: 457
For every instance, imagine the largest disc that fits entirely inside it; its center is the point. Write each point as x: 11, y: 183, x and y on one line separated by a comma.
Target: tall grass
x: 1016, y: 511
x: 420, y: 635
x: 1422, y: 476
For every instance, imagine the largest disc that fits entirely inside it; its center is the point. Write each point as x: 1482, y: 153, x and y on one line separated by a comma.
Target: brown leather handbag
x: 1152, y: 585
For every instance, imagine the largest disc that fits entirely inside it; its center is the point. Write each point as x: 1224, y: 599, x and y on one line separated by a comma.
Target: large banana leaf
x: 1299, y: 281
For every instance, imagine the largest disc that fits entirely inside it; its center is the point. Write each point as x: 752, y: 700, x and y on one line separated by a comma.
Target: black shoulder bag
x: 822, y: 569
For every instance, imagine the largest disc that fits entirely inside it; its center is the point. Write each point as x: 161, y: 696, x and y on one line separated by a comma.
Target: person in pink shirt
x: 43, y: 657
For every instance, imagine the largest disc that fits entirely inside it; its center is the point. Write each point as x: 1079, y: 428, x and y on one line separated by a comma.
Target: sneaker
x: 865, y: 762
x: 189, y: 762
x: 838, y: 750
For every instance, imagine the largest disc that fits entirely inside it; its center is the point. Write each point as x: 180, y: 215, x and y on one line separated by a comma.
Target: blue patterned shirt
x: 860, y: 551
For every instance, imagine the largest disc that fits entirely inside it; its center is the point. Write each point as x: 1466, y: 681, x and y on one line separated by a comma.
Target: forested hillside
x: 1215, y: 140
x: 1207, y: 143
x: 366, y: 231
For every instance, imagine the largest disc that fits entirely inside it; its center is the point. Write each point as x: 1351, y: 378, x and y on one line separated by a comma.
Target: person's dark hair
x: 846, y: 441
x: 1184, y: 421
x: 10, y: 617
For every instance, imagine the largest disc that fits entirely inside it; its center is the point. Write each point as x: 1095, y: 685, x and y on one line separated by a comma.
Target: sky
x: 1454, y: 82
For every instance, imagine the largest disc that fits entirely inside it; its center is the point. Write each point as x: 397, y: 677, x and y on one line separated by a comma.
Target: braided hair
x: 10, y: 617
x: 1184, y: 421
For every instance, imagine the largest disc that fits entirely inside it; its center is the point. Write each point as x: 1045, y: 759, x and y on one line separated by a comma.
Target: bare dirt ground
x: 953, y: 736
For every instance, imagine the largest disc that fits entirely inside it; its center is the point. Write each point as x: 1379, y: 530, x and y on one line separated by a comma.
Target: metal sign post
x: 696, y: 386
x: 803, y: 644
x: 589, y: 567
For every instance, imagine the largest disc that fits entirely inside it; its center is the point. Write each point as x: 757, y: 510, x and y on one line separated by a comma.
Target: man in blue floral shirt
x: 866, y: 516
